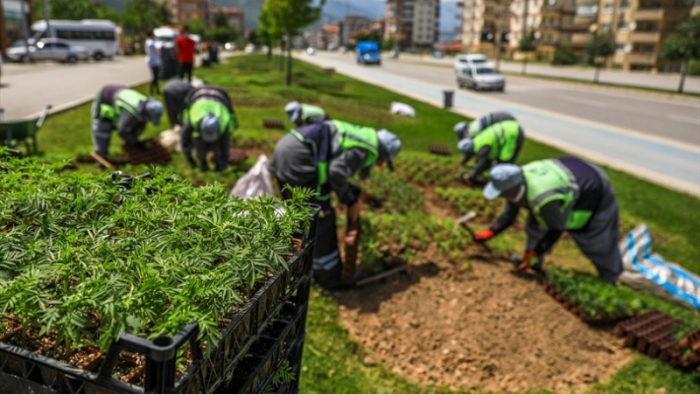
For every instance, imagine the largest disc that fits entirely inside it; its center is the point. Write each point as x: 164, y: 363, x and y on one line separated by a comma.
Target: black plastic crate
x: 266, y: 332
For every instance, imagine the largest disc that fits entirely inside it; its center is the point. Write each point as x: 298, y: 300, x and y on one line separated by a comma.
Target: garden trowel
x: 463, y: 222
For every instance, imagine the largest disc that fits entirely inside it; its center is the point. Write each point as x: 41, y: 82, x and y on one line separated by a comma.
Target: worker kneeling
x: 497, y: 144
x: 117, y: 107
x: 471, y: 129
x: 323, y: 157
x: 209, y: 124
x: 304, y: 114
x: 565, y: 194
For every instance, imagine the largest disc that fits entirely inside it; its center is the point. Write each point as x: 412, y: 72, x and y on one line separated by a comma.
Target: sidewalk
x: 585, y: 74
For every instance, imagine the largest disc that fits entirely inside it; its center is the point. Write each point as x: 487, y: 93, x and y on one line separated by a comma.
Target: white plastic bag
x: 170, y: 139
x: 402, y: 109
x: 256, y: 182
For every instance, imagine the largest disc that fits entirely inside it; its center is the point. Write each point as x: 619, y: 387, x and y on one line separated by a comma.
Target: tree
x: 526, y: 45
x: 289, y: 17
x: 269, y: 33
x: 220, y: 19
x: 564, y: 56
x: 601, y: 46
x: 683, y: 45
x: 75, y: 9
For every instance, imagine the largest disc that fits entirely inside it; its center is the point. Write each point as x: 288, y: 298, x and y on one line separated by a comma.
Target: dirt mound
x: 481, y: 329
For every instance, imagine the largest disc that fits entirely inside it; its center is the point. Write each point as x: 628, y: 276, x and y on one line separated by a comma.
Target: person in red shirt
x: 185, y: 53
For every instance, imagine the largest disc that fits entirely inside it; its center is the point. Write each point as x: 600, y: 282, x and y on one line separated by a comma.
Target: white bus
x: 99, y: 37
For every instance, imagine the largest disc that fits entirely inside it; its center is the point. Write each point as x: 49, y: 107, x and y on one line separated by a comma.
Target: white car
x: 250, y: 48
x: 481, y: 78
x: 472, y: 59
x: 310, y: 51
x: 48, y: 49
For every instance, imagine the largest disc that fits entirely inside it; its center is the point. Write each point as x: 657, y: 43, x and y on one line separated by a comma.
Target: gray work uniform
x: 128, y: 126
x: 489, y: 120
x: 598, y: 240
x: 293, y: 164
x: 175, y: 94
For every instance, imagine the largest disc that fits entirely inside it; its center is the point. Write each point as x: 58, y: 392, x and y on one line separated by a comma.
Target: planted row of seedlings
x: 395, y: 195
x: 83, y: 261
x: 664, y: 337
x: 427, y: 170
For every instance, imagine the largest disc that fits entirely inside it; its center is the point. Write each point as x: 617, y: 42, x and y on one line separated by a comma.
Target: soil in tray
x: 480, y: 329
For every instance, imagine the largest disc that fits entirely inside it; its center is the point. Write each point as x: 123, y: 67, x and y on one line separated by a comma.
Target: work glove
x: 530, y: 260
x: 483, y: 235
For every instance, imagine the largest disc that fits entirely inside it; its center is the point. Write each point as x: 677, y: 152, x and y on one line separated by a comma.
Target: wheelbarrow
x: 22, y: 132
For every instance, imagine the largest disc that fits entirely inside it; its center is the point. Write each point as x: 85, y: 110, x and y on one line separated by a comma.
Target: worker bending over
x: 565, y: 194
x: 117, y: 107
x: 499, y: 143
x: 175, y: 94
x: 209, y: 124
x: 304, y: 114
x: 471, y: 129
x: 323, y: 157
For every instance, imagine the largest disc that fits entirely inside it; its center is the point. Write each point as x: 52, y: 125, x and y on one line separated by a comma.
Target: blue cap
x: 503, y: 177
x: 461, y: 129
x: 154, y: 109
x: 293, y: 110
x: 392, y: 145
x: 466, y: 145
x: 209, y: 128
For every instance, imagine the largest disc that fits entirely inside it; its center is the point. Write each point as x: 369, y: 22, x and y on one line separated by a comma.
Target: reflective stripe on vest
x: 320, y: 139
x: 547, y: 181
x: 203, y: 106
x: 127, y: 99
x: 310, y: 111
x: 502, y: 138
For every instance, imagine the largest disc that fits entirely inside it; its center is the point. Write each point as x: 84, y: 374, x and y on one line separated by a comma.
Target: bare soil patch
x: 483, y: 328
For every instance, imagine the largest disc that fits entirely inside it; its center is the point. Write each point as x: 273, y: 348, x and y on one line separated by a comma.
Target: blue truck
x: 367, y: 52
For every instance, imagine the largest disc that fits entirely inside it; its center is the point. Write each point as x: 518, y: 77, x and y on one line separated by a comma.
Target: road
x: 656, y: 138
x: 664, y: 81
x: 27, y: 88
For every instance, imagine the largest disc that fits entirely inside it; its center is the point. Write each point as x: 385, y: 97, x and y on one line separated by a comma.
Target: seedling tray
x: 154, y: 154
x: 273, y: 124
x: 651, y: 333
x: 267, y: 333
x: 597, y: 320
x: 440, y: 150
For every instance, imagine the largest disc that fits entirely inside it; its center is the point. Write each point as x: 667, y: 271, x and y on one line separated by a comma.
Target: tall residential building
x: 186, y: 10
x: 639, y: 27
x: 353, y: 24
x: 413, y: 23
x: 554, y: 23
x: 234, y: 16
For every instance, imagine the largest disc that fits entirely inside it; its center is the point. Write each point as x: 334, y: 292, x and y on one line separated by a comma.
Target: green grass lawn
x: 332, y: 361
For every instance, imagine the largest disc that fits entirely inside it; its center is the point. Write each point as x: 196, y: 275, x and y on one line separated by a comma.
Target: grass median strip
x: 336, y: 362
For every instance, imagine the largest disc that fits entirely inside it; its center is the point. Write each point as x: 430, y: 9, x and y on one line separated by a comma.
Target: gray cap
x: 391, y: 144
x: 209, y: 128
x: 154, y: 109
x: 466, y: 145
x: 293, y: 110
x: 461, y: 129
x: 503, y: 178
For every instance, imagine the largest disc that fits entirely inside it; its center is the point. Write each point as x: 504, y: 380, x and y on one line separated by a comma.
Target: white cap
x: 293, y: 110
x: 392, y: 145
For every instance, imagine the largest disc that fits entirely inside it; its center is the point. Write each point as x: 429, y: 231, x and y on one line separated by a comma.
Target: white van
x: 99, y: 37
x: 165, y: 37
x: 472, y: 59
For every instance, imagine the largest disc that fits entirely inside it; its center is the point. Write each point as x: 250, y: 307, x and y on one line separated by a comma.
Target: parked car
x: 310, y: 51
x: 54, y: 49
x: 481, y: 78
x: 437, y: 54
x: 230, y: 46
x: 472, y: 59
x: 250, y: 48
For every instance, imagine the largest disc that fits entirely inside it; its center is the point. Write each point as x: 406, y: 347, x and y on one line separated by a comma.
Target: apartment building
x: 639, y: 27
x: 413, y: 23
x: 353, y: 24
x: 551, y: 22
x: 234, y: 16
x: 184, y: 11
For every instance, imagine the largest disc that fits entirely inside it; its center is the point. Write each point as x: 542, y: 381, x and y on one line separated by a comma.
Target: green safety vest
x: 125, y: 99
x: 309, y: 111
x: 201, y: 107
x: 349, y: 136
x: 547, y: 181
x: 502, y: 137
